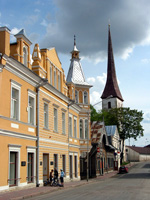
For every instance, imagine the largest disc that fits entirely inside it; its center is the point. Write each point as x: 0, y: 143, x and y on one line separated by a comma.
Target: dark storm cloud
x: 88, y: 20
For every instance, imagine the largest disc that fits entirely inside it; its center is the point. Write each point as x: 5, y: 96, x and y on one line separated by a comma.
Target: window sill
x: 47, y: 129
x: 55, y: 131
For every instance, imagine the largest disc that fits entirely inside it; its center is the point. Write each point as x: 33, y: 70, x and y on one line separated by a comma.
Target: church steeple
x: 111, y: 87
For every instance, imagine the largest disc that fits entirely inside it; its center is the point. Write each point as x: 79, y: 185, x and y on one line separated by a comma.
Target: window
x: 70, y: 126
x: 59, y: 82
x: 76, y: 96
x: 75, y: 128
x: 45, y: 115
x: 72, y: 93
x: 63, y: 123
x: 15, y: 100
x: 31, y: 110
x: 51, y: 75
x: 109, y: 104
x: 55, y: 79
x: 55, y: 120
x: 15, y: 104
x: 81, y: 129
x: 85, y: 98
x: 25, y: 56
x: 86, y: 129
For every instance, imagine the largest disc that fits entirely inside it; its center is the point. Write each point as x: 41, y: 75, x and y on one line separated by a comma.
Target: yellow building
x: 44, y: 119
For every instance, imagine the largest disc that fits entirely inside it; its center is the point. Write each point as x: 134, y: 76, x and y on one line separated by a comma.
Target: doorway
x: 45, y: 167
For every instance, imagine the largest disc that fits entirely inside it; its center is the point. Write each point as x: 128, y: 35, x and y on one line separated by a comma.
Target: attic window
x: 25, y: 56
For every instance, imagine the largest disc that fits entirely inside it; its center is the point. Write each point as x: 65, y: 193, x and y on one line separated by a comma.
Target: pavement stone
x: 35, y: 191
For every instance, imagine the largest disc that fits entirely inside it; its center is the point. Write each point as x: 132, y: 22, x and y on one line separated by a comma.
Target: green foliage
x: 128, y: 121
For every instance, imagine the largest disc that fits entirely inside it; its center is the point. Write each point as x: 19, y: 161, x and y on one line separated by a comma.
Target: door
x: 70, y: 168
x: 13, y: 169
x: 75, y: 166
x: 45, y: 167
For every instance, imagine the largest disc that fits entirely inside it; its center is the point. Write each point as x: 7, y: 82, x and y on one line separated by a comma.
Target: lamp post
x: 88, y: 147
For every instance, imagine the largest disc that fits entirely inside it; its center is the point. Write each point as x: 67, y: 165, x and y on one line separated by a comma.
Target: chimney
x: 5, y: 40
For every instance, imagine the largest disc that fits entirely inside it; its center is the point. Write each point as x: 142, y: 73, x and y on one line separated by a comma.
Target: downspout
x: 37, y: 154
x: 44, y: 81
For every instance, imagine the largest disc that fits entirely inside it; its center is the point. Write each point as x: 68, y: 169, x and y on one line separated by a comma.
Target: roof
x: 111, y: 87
x: 22, y: 33
x: 140, y: 150
x: 75, y: 73
x: 111, y: 130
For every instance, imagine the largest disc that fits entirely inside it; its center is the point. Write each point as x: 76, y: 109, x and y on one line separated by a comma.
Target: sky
x: 53, y: 23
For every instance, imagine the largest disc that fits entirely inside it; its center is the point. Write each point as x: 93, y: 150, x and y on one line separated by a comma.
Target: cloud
x: 146, y: 117
x: 145, y: 61
x: 88, y: 20
x: 91, y: 80
x: 44, y: 23
x: 32, y: 19
x: 14, y: 31
x: 0, y: 14
x: 102, y: 79
x: 37, y: 10
x: 95, y: 99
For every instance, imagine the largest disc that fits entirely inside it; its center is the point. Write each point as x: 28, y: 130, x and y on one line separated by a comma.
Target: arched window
x: 72, y: 93
x: 25, y: 56
x: 109, y: 104
x: 85, y: 97
x: 76, y: 96
x: 59, y: 82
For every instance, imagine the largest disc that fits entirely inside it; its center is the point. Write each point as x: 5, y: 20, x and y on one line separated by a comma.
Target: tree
x: 128, y: 122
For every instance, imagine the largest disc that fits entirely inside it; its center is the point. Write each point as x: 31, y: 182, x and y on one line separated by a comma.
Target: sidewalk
x: 35, y: 191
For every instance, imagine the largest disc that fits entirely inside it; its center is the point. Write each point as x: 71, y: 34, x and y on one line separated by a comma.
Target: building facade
x: 44, y: 119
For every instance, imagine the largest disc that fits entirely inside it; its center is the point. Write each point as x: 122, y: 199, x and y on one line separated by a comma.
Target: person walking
x: 62, y: 177
x: 55, y: 175
x: 51, y: 176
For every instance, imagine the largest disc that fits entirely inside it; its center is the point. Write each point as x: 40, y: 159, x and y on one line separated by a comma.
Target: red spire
x: 111, y: 87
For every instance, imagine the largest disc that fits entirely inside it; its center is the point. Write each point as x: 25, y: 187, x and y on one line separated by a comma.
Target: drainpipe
x: 69, y: 104
x: 43, y: 82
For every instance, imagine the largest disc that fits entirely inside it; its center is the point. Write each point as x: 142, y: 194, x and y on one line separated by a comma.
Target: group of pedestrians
x: 54, y: 177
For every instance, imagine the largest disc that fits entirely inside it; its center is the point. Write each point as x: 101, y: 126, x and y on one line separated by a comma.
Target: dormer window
x: 85, y: 97
x: 25, y: 56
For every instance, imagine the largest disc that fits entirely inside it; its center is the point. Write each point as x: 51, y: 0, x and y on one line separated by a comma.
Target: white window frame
x: 70, y: 125
x: 85, y: 128
x: 55, y: 83
x: 85, y: 100
x: 64, y: 123
x: 16, y: 86
x: 75, y: 127
x: 76, y: 96
x: 56, y: 117
x: 59, y: 82
x: 16, y: 149
x: 82, y: 129
x: 51, y: 74
x: 46, y: 121
x: 32, y: 150
x: 32, y: 95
